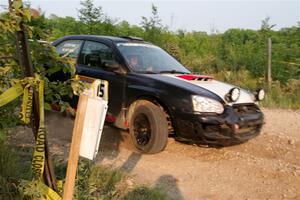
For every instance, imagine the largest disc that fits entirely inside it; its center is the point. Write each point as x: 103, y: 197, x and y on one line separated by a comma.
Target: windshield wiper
x: 173, y: 72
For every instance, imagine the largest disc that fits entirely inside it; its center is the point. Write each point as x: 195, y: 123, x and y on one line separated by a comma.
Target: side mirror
x: 111, y: 66
x: 114, y: 67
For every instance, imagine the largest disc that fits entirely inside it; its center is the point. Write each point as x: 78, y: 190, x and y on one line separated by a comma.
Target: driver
x: 134, y: 62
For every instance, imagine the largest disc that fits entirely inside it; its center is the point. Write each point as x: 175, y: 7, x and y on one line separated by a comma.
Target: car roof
x: 99, y: 38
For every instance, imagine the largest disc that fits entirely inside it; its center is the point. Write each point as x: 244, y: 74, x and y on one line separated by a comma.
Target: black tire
x: 148, y: 127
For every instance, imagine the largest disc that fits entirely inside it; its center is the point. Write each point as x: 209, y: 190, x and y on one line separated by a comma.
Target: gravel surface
x: 267, y: 167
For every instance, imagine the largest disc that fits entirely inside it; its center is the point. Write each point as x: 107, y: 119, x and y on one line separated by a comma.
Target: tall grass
x: 145, y: 193
x: 105, y: 182
x: 96, y: 182
x: 283, y: 96
x: 92, y: 181
x: 9, y: 172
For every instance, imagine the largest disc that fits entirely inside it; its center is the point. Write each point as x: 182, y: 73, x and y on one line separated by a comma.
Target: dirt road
x: 267, y: 167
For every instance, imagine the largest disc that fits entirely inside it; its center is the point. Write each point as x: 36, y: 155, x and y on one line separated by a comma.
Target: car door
x: 91, y: 61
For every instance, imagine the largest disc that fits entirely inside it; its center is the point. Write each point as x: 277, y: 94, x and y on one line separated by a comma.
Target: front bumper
x: 238, y: 123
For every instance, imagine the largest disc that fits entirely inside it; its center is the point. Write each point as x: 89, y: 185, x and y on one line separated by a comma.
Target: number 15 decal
x: 100, y: 92
x: 102, y: 89
x: 98, y: 88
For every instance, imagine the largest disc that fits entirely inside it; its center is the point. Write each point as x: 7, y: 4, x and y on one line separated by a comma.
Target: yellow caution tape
x: 27, y: 87
x: 38, y: 190
x: 27, y: 103
x: 39, y: 150
x: 11, y: 94
x: 59, y: 184
x: 50, y: 194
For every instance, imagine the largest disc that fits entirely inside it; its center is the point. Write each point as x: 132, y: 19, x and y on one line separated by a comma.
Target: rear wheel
x: 148, y: 127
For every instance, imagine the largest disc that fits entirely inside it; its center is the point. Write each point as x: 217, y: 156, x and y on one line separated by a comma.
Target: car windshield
x: 147, y: 58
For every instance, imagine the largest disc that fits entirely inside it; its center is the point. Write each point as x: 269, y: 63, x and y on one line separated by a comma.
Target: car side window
x: 69, y: 48
x: 95, y: 54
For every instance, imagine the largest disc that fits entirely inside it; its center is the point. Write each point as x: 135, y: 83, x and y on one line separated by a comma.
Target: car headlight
x: 204, y: 104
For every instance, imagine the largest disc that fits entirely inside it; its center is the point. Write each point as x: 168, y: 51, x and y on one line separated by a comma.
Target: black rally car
x: 154, y: 95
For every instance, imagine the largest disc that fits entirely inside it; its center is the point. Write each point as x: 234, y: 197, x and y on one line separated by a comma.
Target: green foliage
x: 8, y: 190
x: 96, y: 182
x: 31, y: 189
x: 8, y: 113
x: 154, y: 22
x: 42, y: 54
x: 104, y: 182
x: 8, y: 158
x: 8, y: 63
x: 9, y: 172
x: 283, y: 96
x: 152, y: 27
x: 94, y: 20
x: 145, y: 193
x: 61, y: 26
x: 89, y: 14
x: 123, y: 28
x: 265, y: 24
x: 9, y: 118
x: 44, y: 59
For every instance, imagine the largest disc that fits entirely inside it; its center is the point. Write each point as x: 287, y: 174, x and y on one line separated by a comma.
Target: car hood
x: 209, y: 84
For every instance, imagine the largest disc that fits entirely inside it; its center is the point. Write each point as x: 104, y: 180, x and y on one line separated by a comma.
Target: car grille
x: 242, y: 109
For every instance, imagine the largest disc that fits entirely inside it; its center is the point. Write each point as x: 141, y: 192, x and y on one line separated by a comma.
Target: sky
x: 209, y: 16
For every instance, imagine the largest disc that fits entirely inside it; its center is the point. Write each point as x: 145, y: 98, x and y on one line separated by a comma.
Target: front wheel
x: 148, y: 127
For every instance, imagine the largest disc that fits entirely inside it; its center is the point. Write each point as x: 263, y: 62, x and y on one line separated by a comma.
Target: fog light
x: 233, y: 95
x: 260, y: 94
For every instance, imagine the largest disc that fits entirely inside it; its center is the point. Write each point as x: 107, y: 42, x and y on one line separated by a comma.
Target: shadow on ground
x: 169, y: 184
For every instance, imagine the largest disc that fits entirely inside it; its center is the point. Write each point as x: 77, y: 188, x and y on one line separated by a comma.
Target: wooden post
x: 269, y: 71
x: 75, y: 147
x: 25, y: 63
